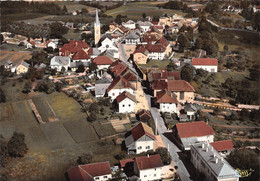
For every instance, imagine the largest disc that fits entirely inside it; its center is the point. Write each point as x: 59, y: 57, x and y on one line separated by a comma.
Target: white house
x: 90, y: 172
x: 118, y: 86
x: 209, y: 162
x: 140, y: 139
x: 107, y: 44
x: 190, y: 110
x: 156, y: 52
x: 129, y: 24
x: 187, y: 134
x: 126, y: 102
x: 166, y: 102
x: 208, y: 64
x: 102, y: 62
x: 52, y: 44
x: 145, y: 26
x: 57, y: 62
x: 148, y: 167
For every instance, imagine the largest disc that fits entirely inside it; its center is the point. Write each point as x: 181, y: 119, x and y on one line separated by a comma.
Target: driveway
x: 173, y: 149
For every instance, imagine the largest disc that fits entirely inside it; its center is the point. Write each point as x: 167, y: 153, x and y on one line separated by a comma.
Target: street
x: 173, y: 149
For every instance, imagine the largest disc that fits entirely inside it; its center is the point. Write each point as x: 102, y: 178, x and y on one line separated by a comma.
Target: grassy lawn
x: 74, y: 5
x: 73, y: 35
x: 161, y: 64
x: 103, y: 130
x: 136, y: 9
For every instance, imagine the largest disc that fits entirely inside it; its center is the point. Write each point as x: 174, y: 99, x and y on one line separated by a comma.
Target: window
x: 145, y: 175
x: 181, y: 95
x: 105, y: 176
x: 212, y: 70
x: 123, y: 105
x: 113, y: 94
x: 97, y: 178
x: 147, y: 147
x: 154, y: 175
x: 139, y: 147
x: 129, y: 105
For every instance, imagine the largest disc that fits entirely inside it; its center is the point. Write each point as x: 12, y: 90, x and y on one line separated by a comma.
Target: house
x: 102, y: 84
x: 130, y: 24
x: 52, y: 44
x: 57, y: 62
x: 144, y: 115
x: 144, y: 25
x: 140, y: 55
x: 120, y: 30
x: 22, y: 68
x: 140, y: 139
x: 107, y: 43
x: 81, y: 56
x: 118, y: 86
x: 208, y: 64
x: 149, y: 39
x: 69, y: 49
x: 155, y: 75
x: 224, y: 147
x: 155, y: 51
x: 190, y: 110
x: 75, y: 65
x: 70, y: 25
x: 187, y: 134
x: 208, y: 161
x: 148, y: 167
x: 162, y: 41
x: 30, y: 44
x: 102, y: 62
x: 183, y: 90
x: 91, y: 172
x: 125, y: 102
x: 132, y: 39
x: 166, y: 102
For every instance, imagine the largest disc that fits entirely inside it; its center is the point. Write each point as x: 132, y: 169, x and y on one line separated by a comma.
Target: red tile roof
x: 204, y: 61
x: 130, y: 77
x: 88, y: 171
x: 102, y: 60
x: 80, y: 55
x: 164, y: 97
x: 125, y: 95
x: 90, y: 51
x: 194, y: 129
x: 140, y: 130
x: 155, y: 22
x: 155, y: 48
x: 162, y: 41
x: 162, y: 75
x: 119, y: 83
x: 159, y: 85
x: 159, y: 27
x: 140, y: 49
x: 126, y: 161
x: 148, y: 162
x: 180, y: 86
x: 144, y: 115
x: 32, y: 42
x: 119, y: 69
x: 223, y: 145
x: 149, y: 38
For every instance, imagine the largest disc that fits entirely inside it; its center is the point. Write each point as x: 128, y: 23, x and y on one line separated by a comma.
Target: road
x: 173, y: 149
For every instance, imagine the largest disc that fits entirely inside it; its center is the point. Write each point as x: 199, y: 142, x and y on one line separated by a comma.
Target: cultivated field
x: 15, y: 57
x: 74, y: 6
x: 136, y: 9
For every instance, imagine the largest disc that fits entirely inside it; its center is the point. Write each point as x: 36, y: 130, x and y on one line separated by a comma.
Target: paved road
x: 173, y: 149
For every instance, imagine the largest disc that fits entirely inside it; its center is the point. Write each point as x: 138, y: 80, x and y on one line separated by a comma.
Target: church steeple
x: 97, y: 28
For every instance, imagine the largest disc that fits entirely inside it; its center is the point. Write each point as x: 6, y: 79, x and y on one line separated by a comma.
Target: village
x: 158, y: 98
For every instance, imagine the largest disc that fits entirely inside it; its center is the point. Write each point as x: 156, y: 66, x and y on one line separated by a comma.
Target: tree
x: 183, y: 42
x: 104, y: 28
x: 171, y: 66
x: 3, y: 151
x: 92, y: 117
x: 84, y: 11
x: 57, y: 30
x: 245, y: 159
x: 118, y: 19
x: 63, y: 70
x: 94, y: 108
x: 198, y: 43
x: 64, y: 9
x: 80, y: 69
x: 2, y: 96
x: 144, y: 15
x: 165, y: 156
x: 85, y: 159
x: 225, y: 48
x: 92, y: 66
x: 1, y: 39
x: 46, y: 85
x: 27, y: 87
x: 187, y: 72
x: 16, y: 145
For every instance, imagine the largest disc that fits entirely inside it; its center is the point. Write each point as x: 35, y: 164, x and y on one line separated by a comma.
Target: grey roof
x: 25, y: 64
x: 190, y: 107
x: 132, y: 36
x: 222, y: 169
x: 60, y: 61
x: 187, y: 142
x: 96, y: 51
x: 106, y: 78
x: 100, y: 89
x: 145, y: 23
x: 76, y: 64
x: 129, y: 140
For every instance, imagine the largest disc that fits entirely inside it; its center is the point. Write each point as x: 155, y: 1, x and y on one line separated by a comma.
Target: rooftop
x: 148, y: 162
x: 223, y: 145
x: 204, y: 61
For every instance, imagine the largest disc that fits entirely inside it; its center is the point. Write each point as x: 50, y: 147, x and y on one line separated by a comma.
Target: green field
x: 73, y: 35
x: 74, y: 6
x: 135, y: 10
x: 161, y: 64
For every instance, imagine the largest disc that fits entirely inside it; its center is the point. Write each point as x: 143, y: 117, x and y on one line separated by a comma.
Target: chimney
x: 148, y: 155
x: 202, y: 145
x: 214, y: 155
x: 222, y: 159
x: 216, y: 160
x: 212, y: 148
x: 207, y: 149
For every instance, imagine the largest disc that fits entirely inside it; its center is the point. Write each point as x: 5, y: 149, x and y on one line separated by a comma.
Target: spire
x: 97, y: 23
